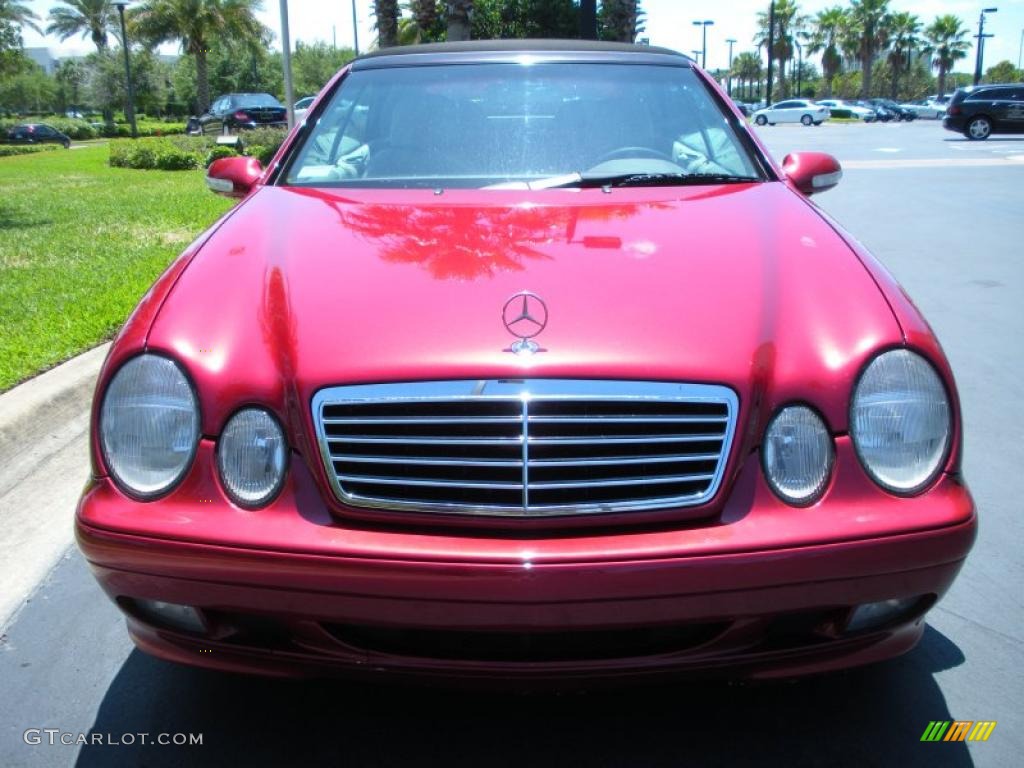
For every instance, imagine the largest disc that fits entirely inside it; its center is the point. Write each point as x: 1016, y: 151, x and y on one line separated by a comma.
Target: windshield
x: 517, y: 126
x: 256, y: 100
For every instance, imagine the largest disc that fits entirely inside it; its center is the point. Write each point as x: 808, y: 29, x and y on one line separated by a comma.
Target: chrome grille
x: 528, y: 447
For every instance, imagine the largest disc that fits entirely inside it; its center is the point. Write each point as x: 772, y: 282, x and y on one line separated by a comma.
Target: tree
x: 457, y: 19
x: 424, y: 26
x: 1003, y: 72
x: 196, y: 24
x: 947, y: 44
x: 746, y: 67
x: 16, y: 12
x: 868, y: 20
x: 313, y: 65
x: 88, y: 18
x: 904, y: 39
x: 787, y: 22
x: 620, y: 20
x: 12, y: 60
x: 387, y: 14
x: 71, y: 76
x: 30, y: 90
x: 824, y: 38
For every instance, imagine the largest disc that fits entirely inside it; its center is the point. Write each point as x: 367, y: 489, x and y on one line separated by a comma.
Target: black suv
x: 979, y: 111
x: 233, y: 112
x: 37, y: 133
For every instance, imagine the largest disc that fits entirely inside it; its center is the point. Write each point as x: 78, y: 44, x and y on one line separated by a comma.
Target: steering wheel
x: 633, y: 152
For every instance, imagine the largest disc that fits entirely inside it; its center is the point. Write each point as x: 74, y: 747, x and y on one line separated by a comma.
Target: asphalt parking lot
x: 945, y: 215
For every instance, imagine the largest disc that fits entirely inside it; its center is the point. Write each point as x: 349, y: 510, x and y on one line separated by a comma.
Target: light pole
x: 286, y: 60
x: 696, y: 55
x: 1020, y: 50
x: 799, y: 67
x: 771, y: 52
x: 704, y: 40
x: 130, y: 106
x: 728, y: 82
x: 981, y: 43
x: 355, y: 27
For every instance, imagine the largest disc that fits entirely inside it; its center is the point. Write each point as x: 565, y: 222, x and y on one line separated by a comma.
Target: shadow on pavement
x: 871, y: 716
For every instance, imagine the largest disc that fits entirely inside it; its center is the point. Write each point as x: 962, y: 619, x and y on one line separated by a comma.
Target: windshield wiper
x: 657, y: 180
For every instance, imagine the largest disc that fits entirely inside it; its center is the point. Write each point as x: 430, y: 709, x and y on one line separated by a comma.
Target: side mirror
x: 233, y: 176
x: 812, y: 172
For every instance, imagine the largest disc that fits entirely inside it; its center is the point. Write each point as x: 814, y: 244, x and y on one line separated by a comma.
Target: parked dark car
x: 901, y: 112
x: 882, y: 113
x: 743, y: 107
x: 234, y: 112
x: 37, y: 133
x: 979, y: 111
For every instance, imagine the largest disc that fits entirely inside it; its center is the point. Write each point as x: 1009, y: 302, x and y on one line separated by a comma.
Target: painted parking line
x: 937, y: 162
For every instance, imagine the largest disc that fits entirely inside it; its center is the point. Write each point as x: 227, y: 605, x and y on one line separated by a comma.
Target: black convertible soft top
x: 510, y: 50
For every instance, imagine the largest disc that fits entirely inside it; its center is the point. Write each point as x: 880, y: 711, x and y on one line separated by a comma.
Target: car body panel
x: 747, y: 285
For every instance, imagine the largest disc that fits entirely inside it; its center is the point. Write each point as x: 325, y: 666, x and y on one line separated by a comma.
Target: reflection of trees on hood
x: 465, y: 243
x: 458, y: 243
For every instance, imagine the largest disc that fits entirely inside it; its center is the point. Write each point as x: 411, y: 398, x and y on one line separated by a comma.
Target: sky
x: 669, y: 23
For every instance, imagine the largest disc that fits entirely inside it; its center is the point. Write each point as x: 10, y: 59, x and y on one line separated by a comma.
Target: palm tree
x: 787, y: 21
x: 746, y: 68
x: 17, y: 13
x: 387, y: 14
x: 620, y: 20
x: 904, y: 39
x: 824, y: 38
x: 946, y: 43
x: 88, y: 18
x: 868, y: 19
x: 196, y: 23
x: 424, y: 17
x: 459, y: 12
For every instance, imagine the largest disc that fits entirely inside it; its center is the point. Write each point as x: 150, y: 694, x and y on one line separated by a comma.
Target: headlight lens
x: 798, y: 455
x: 900, y: 421
x: 149, y: 425
x: 252, y: 457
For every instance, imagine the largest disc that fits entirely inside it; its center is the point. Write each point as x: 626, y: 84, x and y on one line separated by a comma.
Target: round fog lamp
x: 797, y: 455
x: 252, y: 457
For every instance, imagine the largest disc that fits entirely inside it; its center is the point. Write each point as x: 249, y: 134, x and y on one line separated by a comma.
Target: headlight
x: 252, y: 457
x: 149, y: 425
x: 797, y: 455
x: 900, y: 421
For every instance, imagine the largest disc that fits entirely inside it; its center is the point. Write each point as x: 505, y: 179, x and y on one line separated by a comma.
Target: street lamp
x: 728, y: 82
x: 355, y: 27
x: 771, y: 54
x: 799, y: 67
x: 130, y: 106
x: 704, y: 42
x: 286, y: 61
x: 981, y: 43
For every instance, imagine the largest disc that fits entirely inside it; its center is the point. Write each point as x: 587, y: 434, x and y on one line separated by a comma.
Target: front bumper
x: 730, y: 596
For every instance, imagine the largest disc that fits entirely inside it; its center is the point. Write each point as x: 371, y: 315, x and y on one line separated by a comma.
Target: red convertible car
x: 521, y: 362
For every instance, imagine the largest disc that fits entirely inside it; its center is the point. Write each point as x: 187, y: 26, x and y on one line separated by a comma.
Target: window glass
x: 487, y: 124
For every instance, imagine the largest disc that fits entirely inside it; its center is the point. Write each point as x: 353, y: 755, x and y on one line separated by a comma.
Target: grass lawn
x: 80, y: 242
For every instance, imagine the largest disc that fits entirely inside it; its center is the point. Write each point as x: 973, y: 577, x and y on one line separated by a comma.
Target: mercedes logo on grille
x: 525, y: 315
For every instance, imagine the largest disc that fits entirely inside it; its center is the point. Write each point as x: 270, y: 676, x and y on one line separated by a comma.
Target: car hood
x: 743, y: 285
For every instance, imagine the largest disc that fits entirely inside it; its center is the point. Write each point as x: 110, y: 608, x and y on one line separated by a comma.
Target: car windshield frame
x: 286, y: 170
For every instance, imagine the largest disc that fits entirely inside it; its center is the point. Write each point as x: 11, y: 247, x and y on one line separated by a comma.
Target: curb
x: 41, y: 416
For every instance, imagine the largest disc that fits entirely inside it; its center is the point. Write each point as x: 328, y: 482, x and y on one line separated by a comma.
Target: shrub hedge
x: 81, y: 130
x: 179, y: 153
x: 7, y: 150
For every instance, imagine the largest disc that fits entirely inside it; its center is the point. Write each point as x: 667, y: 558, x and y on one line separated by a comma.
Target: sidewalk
x: 44, y: 462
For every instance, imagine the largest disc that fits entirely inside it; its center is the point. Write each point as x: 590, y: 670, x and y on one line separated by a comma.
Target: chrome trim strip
x: 524, y: 391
